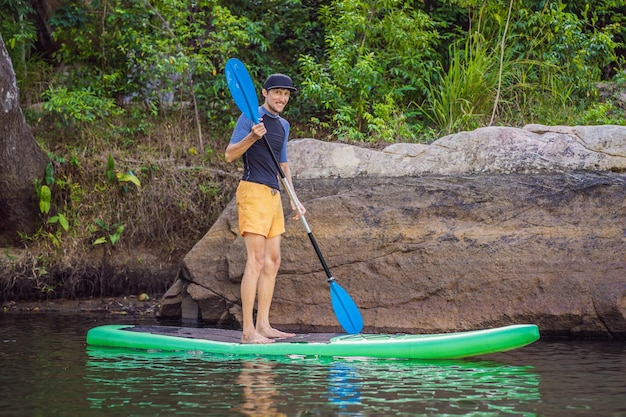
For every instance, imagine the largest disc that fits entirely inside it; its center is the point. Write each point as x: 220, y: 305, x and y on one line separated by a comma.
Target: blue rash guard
x: 258, y: 165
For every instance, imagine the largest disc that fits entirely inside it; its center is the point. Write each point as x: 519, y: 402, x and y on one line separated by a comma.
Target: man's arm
x: 285, y: 167
x: 235, y: 150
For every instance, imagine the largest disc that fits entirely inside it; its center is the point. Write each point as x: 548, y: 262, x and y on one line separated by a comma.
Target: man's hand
x: 296, y: 213
x: 258, y: 130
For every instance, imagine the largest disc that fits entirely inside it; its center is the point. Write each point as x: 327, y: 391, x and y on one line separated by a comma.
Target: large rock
x: 489, y: 150
x: 483, y: 228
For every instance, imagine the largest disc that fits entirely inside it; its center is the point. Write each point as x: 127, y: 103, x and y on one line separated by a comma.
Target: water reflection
x: 256, y: 379
x: 203, y: 384
x: 343, y: 384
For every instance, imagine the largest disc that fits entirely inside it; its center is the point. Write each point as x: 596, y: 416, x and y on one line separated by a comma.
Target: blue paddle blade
x: 242, y: 89
x: 345, y: 309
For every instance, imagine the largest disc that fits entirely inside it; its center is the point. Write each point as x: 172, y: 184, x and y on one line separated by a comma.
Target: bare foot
x: 274, y: 333
x: 256, y: 339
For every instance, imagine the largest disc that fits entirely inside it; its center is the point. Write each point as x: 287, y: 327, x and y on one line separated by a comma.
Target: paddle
x: 245, y: 97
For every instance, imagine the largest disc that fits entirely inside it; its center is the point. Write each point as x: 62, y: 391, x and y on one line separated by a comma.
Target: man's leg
x: 255, y: 248
x: 266, y: 284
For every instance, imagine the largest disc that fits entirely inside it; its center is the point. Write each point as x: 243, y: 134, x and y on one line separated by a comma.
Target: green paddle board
x: 401, y: 346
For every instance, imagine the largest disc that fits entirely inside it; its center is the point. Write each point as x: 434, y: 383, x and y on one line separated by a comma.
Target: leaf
x: 129, y: 177
x: 54, y: 239
x: 45, y: 197
x: 110, y: 170
x: 63, y: 222
x: 49, y: 174
x: 100, y: 241
x: 118, y: 233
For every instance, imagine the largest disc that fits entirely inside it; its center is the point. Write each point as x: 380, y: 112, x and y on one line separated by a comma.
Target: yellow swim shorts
x: 260, y: 209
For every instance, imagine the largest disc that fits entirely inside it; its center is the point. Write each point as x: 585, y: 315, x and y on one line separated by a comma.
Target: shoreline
x: 129, y: 305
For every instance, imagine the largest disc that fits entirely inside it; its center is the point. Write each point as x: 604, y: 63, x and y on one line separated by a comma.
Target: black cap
x: 279, y: 81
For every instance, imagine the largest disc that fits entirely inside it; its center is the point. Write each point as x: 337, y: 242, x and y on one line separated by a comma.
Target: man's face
x: 276, y: 99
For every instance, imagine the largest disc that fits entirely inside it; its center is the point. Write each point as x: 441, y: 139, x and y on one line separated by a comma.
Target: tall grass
x: 521, y: 67
x: 459, y: 97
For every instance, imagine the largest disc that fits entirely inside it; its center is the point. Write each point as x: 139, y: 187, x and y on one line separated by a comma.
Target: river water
x: 46, y: 370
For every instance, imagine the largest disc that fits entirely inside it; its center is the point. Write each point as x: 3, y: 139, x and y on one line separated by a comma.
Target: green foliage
x: 45, y: 197
x: 369, y: 70
x: 19, y: 33
x: 549, y: 57
x: 377, y: 53
x: 79, y: 106
x: 552, y: 62
x: 113, y: 233
x: 118, y: 177
x: 62, y: 220
x: 459, y: 97
x: 210, y: 190
x: 110, y: 169
x: 574, y: 48
x: 128, y: 177
x: 46, y: 204
x: 69, y: 195
x: 154, y: 52
x: 602, y: 114
x: 49, y: 174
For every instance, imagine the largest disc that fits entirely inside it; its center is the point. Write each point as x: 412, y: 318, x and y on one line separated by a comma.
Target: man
x: 261, y: 220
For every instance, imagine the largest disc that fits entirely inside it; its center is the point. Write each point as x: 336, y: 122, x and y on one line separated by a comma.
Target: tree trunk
x: 21, y: 160
x: 45, y: 44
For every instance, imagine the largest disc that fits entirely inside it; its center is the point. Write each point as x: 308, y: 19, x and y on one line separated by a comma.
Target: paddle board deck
x: 406, y: 346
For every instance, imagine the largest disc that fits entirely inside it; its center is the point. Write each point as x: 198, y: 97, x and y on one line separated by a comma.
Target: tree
x: 21, y: 160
